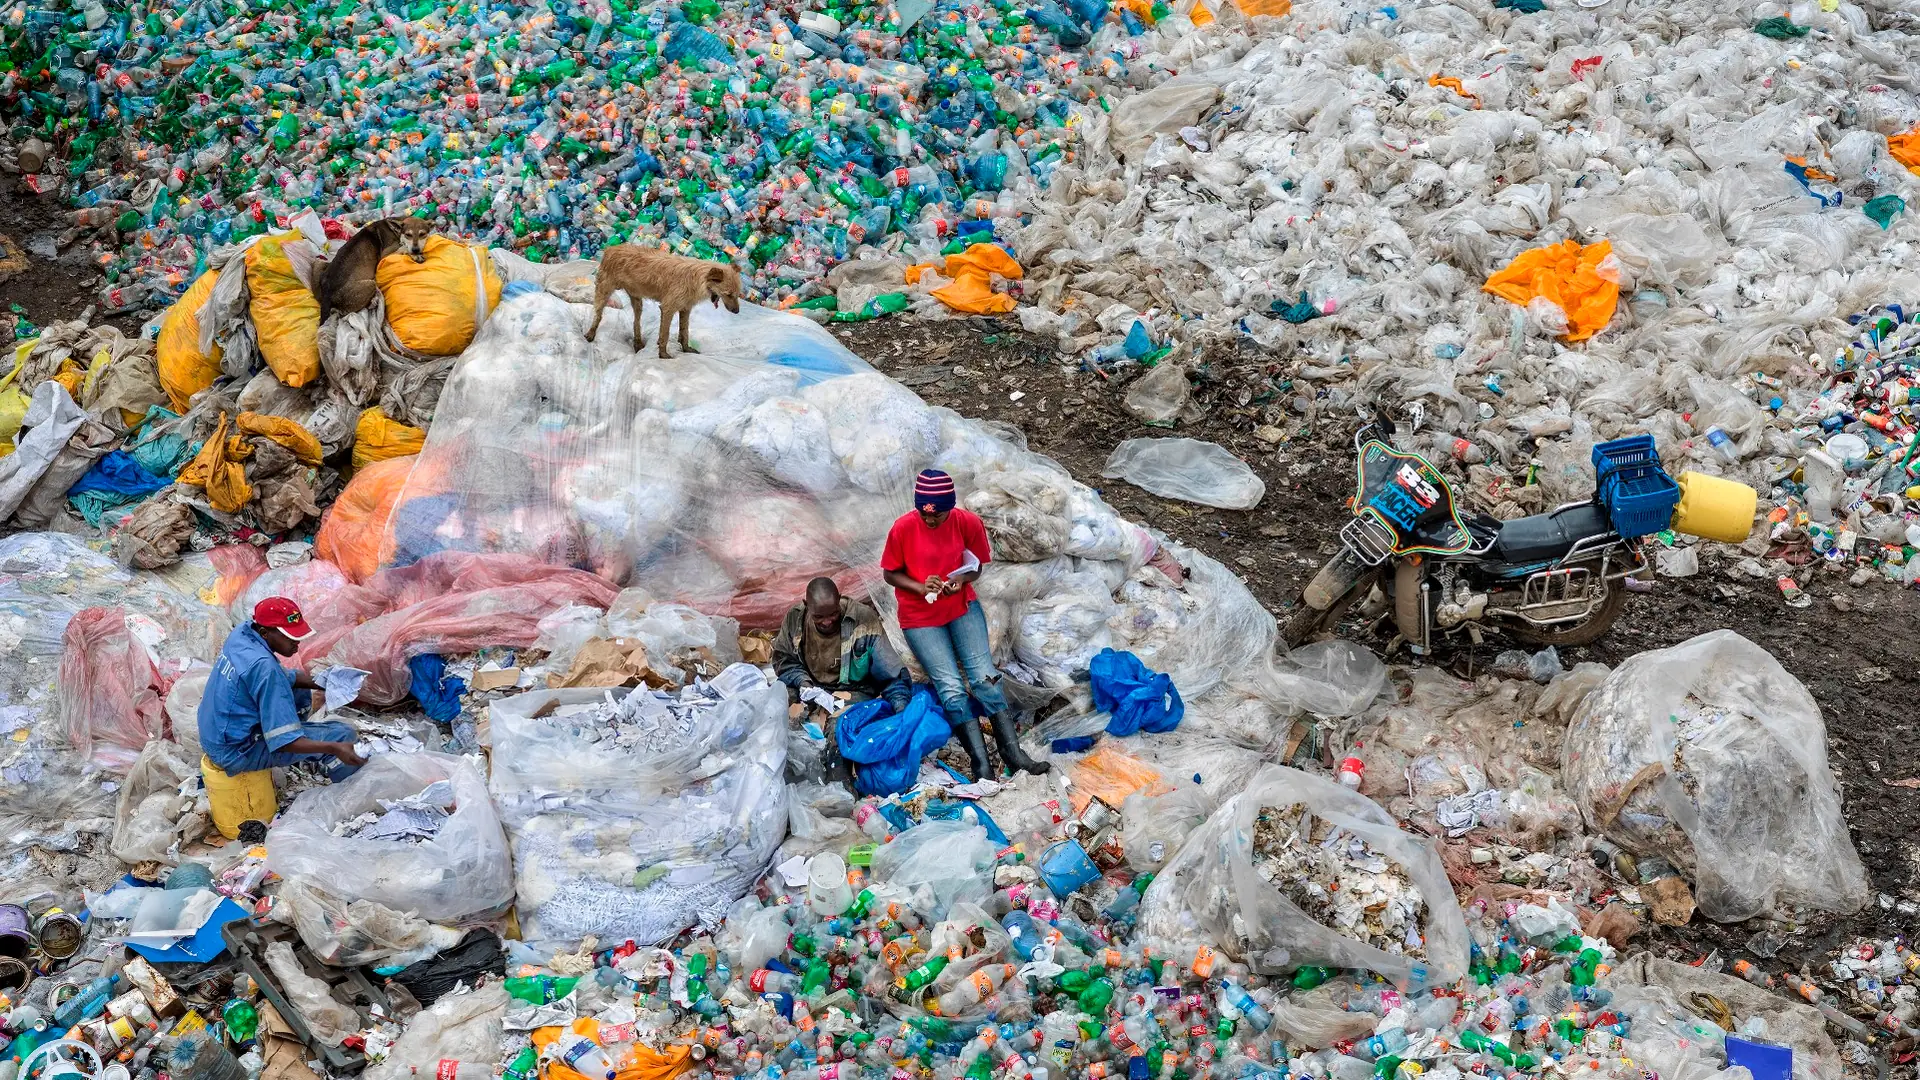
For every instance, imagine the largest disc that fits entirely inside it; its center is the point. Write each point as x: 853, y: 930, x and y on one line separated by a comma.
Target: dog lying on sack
x: 348, y: 283
x: 675, y: 282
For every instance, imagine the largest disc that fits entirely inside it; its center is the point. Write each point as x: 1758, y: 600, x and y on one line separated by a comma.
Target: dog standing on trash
x: 349, y: 282
x: 675, y: 282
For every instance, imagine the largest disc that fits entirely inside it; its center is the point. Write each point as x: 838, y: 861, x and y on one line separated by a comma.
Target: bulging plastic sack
x: 1187, y: 469
x: 152, y: 814
x: 640, y: 841
x: 1711, y: 756
x: 463, y: 870
x: 458, y: 1027
x: 1211, y: 889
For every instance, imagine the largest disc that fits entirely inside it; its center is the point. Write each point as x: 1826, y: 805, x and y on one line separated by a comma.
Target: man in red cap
x: 250, y: 717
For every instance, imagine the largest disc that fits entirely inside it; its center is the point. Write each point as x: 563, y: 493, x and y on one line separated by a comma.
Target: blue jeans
x: 944, y: 650
x: 332, y: 731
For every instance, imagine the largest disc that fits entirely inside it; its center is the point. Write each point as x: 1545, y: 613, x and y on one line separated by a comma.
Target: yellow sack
x: 437, y: 306
x: 14, y: 401
x: 377, y: 438
x: 184, y: 369
x: 246, y: 796
x: 1570, y: 276
x: 218, y: 470
x: 286, y: 315
x: 283, y: 431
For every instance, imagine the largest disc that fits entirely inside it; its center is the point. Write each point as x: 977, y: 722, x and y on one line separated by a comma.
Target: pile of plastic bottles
x: 774, y: 136
x: 841, y: 979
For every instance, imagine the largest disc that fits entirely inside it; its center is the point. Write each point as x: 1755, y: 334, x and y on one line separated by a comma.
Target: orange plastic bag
x: 436, y: 307
x: 184, y: 369
x: 1570, y: 276
x: 217, y: 468
x: 378, y: 438
x: 1905, y: 149
x: 356, y: 535
x: 972, y: 272
x: 286, y: 315
x: 1259, y: 7
x: 1110, y: 774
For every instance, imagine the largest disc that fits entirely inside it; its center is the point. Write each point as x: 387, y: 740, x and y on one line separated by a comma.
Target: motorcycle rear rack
x: 1370, y: 541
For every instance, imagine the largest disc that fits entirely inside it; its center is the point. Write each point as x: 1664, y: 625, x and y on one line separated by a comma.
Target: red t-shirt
x: 924, y: 552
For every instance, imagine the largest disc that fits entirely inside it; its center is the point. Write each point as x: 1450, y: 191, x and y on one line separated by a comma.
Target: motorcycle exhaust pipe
x: 1409, y: 602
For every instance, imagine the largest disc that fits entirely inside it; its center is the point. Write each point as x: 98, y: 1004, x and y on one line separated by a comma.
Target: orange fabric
x: 283, y: 431
x: 1570, y: 276
x: 1905, y: 149
x: 1454, y: 85
x: 1257, y: 7
x: 972, y: 272
x: 217, y: 468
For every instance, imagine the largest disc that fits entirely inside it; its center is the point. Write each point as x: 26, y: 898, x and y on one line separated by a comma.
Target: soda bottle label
x: 1203, y: 960
x: 447, y: 1069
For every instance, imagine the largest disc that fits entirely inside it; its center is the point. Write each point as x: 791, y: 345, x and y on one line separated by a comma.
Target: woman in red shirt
x: 932, y: 556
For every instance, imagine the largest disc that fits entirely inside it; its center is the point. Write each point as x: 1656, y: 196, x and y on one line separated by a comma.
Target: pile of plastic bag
x: 642, y: 822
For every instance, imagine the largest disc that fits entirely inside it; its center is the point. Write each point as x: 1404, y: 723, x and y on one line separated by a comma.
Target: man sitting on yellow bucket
x: 250, y: 717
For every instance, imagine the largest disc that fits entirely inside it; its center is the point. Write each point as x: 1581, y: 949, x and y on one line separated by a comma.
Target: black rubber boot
x: 1008, y: 738
x: 976, y: 746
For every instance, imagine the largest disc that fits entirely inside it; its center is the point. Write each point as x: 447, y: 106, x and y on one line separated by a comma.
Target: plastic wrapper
x: 1211, y: 888
x: 310, y: 584
x: 153, y: 816
x: 329, y: 1020
x: 1710, y: 755
x: 110, y: 690
x: 1156, y: 825
x: 457, y: 1027
x: 355, y: 933
x: 1187, y: 469
x: 941, y: 864
x: 636, y: 842
x: 462, y: 870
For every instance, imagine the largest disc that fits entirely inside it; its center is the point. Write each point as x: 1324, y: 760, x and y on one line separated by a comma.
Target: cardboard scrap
x: 608, y: 662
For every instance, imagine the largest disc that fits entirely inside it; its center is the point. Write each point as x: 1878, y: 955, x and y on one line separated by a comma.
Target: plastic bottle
x: 90, y: 1002
x: 1723, y: 445
x: 582, y: 1055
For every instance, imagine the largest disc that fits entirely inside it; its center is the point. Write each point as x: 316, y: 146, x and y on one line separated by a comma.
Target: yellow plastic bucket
x: 244, y: 797
x: 1714, y: 508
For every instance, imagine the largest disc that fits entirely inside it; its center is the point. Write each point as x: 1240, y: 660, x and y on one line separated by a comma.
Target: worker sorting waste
x: 251, y: 717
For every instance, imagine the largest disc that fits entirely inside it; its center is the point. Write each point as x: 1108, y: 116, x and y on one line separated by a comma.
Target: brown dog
x: 675, y: 282
x: 348, y: 283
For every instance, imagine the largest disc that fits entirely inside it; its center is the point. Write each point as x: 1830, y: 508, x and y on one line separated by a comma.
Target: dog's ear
x: 716, y: 274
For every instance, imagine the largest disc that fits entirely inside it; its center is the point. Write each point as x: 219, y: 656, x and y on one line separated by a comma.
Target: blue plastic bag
x: 888, y: 746
x: 1138, y: 699
x: 437, y: 692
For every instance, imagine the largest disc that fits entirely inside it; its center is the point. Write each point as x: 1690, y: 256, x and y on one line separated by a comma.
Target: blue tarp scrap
x: 888, y: 746
x: 1138, y: 698
x: 437, y: 692
x: 115, y: 480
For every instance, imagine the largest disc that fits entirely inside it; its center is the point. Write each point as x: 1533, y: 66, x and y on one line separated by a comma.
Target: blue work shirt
x: 249, y: 707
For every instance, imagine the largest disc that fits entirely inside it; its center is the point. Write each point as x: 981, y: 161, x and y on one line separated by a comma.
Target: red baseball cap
x: 283, y: 615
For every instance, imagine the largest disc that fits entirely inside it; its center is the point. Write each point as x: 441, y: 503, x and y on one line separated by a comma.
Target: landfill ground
x: 1852, y: 647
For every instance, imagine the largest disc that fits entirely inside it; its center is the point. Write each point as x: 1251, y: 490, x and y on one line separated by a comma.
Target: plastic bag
x: 463, y: 870
x: 1212, y: 889
x: 1160, y: 394
x: 359, y: 932
x: 941, y: 863
x: 1710, y: 755
x: 286, y: 315
x: 640, y: 842
x: 329, y: 1020
x: 1156, y: 825
x: 377, y: 438
x: 1187, y: 469
x: 888, y: 747
x: 356, y: 533
x: 110, y: 691
x: 152, y: 816
x: 1138, y: 699
x: 436, y: 307
x: 185, y: 370
x: 457, y: 1027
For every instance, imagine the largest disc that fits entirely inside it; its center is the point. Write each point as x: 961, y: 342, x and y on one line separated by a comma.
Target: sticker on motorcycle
x: 1409, y: 496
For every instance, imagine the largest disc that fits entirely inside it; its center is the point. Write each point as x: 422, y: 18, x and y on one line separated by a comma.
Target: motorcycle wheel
x: 1342, y: 579
x: 1587, y: 632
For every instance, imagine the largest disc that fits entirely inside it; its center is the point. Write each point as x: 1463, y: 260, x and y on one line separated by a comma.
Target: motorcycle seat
x: 1544, y: 537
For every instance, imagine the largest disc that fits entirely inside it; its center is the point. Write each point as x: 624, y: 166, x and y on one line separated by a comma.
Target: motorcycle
x: 1560, y: 578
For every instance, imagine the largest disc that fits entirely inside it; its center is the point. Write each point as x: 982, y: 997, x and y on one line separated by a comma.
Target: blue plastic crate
x: 1637, y: 492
